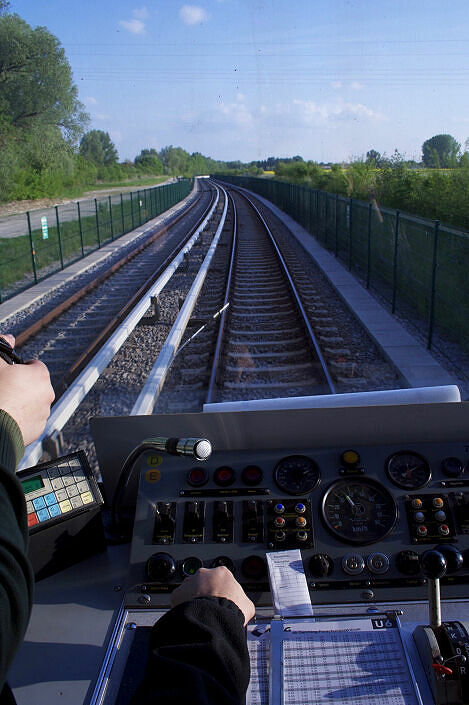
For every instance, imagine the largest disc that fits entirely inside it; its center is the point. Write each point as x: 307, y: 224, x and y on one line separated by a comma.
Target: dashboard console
x: 363, y: 492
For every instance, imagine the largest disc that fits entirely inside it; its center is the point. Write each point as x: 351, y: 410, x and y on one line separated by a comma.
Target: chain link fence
x: 35, y: 244
x: 418, y: 266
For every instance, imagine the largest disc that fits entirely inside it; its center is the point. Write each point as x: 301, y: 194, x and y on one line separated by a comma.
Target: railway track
x: 274, y: 338
x: 67, y: 336
x: 265, y: 345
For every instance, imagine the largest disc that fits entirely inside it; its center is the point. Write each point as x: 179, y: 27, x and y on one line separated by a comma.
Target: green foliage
x: 97, y: 147
x: 149, y: 161
x: 40, y: 115
x: 431, y: 193
x: 441, y: 151
x: 36, y: 80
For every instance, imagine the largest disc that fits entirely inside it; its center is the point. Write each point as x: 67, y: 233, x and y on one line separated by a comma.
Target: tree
x: 441, y: 151
x: 373, y: 157
x: 97, y: 147
x: 36, y: 85
x: 148, y: 160
x: 176, y: 161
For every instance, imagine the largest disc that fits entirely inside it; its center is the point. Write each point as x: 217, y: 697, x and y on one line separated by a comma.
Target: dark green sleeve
x: 16, y: 575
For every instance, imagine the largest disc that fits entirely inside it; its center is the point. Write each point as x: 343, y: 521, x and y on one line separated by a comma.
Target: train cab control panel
x: 361, y: 515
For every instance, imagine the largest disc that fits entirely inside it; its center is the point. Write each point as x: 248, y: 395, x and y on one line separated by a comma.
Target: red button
x: 197, y: 477
x: 224, y: 476
x: 32, y: 519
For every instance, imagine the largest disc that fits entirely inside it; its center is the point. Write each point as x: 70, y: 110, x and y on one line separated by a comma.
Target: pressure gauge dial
x: 297, y: 474
x: 408, y: 470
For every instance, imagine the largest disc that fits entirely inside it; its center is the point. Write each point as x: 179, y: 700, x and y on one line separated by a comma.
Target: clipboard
x: 352, y: 662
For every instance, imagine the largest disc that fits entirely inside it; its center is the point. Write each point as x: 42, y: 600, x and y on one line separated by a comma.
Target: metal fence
x: 418, y: 266
x: 35, y: 244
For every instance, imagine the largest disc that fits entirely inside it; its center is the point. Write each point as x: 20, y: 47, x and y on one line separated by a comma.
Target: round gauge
x: 408, y: 470
x: 296, y: 474
x: 359, y: 511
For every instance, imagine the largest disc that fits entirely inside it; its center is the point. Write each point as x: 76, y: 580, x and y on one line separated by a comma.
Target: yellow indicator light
x: 350, y: 457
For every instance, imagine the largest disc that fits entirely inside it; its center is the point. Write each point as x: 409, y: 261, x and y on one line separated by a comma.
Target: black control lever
x: 443, y: 647
x: 433, y: 567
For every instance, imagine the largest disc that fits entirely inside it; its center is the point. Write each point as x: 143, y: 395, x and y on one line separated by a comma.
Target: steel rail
x: 157, y: 377
x: 221, y: 328
x: 52, y: 315
x: 69, y: 402
x: 104, y: 335
x: 296, y: 297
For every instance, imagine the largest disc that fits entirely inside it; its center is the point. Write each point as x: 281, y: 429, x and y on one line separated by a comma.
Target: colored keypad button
x: 32, y: 519
x: 43, y: 515
x: 39, y: 503
x: 50, y: 498
x: 76, y: 502
x: 54, y: 510
x: 61, y: 495
x: 86, y: 497
x: 65, y: 506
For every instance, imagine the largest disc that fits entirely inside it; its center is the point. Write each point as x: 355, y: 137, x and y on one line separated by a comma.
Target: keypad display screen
x: 32, y: 484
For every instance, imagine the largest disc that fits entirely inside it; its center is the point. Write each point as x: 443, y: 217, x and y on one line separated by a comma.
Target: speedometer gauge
x: 296, y: 474
x: 359, y: 511
x: 408, y: 470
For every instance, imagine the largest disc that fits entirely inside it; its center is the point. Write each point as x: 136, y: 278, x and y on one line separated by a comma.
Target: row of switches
x: 194, y: 522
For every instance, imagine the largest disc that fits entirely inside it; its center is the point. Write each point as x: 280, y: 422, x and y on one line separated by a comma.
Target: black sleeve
x: 198, y: 656
x: 16, y: 576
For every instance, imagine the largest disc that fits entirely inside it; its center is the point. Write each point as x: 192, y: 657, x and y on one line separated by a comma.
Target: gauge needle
x: 349, y: 500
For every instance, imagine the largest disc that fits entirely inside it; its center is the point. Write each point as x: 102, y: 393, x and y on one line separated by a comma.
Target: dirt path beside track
x: 15, y: 207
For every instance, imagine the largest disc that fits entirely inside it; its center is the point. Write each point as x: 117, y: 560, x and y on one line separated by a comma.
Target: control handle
x: 434, y: 566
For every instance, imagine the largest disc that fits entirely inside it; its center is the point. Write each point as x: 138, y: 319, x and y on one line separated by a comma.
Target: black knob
x: 253, y: 567
x: 453, y: 556
x: 160, y: 567
x: 407, y: 562
x: 453, y: 467
x: 223, y: 560
x: 433, y: 564
x: 320, y: 565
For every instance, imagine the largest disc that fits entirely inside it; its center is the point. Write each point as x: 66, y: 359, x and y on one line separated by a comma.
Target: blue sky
x: 246, y: 79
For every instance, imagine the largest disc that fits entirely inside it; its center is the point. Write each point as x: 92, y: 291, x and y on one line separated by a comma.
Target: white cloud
x: 356, y: 86
x: 89, y: 100
x: 336, y: 84
x: 141, y: 13
x: 134, y: 26
x: 192, y: 14
x: 311, y: 112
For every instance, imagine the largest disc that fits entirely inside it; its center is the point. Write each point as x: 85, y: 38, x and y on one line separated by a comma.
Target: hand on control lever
x: 214, y: 582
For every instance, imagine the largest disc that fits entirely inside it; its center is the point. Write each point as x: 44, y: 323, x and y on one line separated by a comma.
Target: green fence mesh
x: 418, y: 266
x: 35, y: 244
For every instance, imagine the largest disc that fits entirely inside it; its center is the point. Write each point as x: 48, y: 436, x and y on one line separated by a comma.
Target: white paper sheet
x: 290, y: 594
